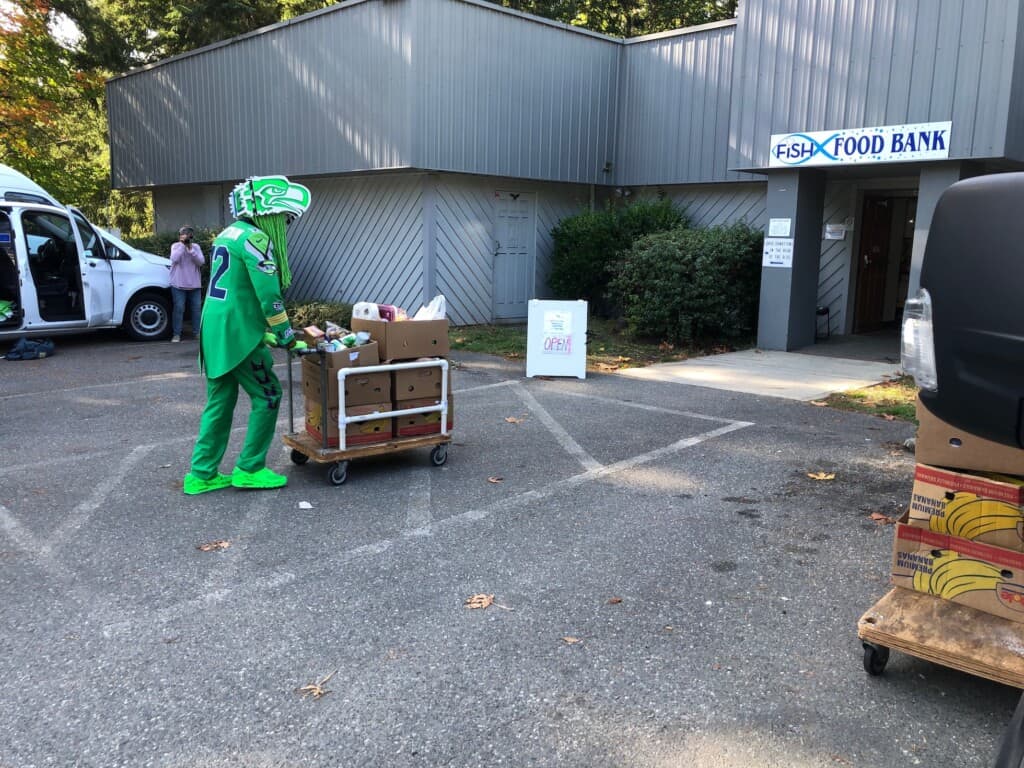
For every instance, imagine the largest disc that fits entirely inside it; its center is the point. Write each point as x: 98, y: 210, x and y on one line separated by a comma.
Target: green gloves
x: 270, y: 339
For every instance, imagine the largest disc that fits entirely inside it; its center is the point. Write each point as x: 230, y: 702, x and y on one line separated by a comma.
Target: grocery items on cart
x: 384, y: 385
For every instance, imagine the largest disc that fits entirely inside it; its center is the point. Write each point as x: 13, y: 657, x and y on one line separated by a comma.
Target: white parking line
x: 82, y: 512
x: 256, y: 586
x: 564, y: 438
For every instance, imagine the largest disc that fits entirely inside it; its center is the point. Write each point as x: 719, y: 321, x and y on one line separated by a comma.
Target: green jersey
x: 243, y: 299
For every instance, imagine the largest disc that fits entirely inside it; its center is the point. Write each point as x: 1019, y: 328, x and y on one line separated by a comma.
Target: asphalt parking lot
x: 670, y: 588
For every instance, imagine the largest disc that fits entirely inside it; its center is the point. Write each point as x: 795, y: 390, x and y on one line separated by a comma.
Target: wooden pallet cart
x: 306, y: 448
x: 943, y: 632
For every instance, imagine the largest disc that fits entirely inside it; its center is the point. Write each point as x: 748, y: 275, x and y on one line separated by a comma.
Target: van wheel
x: 148, y: 317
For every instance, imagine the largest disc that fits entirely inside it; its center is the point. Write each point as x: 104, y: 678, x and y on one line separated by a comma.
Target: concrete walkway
x: 790, y: 375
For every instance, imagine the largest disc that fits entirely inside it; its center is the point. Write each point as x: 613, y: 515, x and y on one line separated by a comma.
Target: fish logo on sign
x: 798, y: 148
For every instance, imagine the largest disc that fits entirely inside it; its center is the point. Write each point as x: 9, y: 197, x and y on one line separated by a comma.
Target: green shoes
x: 261, y: 478
x: 194, y: 485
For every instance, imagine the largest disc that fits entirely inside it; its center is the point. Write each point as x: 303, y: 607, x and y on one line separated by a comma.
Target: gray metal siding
x: 361, y: 240
x: 513, y: 97
x: 324, y: 94
x: 825, y: 64
x: 674, y: 114
x: 1015, y: 130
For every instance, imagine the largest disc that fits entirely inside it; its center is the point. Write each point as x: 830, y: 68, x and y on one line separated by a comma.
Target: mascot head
x: 271, y: 203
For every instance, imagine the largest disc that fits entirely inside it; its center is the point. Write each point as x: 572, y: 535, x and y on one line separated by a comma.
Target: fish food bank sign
x: 884, y: 144
x: 881, y: 144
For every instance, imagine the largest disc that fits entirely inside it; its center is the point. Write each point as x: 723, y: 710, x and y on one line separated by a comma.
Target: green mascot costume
x: 248, y: 272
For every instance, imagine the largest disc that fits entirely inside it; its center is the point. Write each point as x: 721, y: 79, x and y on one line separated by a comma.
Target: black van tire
x: 148, y: 317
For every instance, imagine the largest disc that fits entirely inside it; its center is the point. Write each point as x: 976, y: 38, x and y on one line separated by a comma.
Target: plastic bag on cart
x: 435, y: 310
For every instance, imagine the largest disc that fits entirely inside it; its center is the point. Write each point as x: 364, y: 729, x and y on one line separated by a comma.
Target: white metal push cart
x: 307, y: 448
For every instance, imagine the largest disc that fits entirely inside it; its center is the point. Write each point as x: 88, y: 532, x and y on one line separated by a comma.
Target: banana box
x: 418, y: 383
x: 360, y: 433
x: 990, y: 579
x: 422, y: 423
x: 980, y: 507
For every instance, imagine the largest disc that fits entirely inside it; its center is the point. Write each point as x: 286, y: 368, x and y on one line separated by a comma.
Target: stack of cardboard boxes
x: 379, y: 391
x: 963, y: 536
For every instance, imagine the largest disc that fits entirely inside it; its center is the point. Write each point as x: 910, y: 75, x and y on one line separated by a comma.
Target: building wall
x: 325, y: 93
x: 673, y: 113
x: 516, y: 97
x: 466, y: 243
x: 807, y: 65
x: 203, y: 206
x: 361, y: 240
x: 1015, y: 127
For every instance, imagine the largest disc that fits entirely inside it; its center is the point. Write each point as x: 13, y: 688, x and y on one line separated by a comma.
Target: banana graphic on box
x: 969, y: 517
x: 952, y: 575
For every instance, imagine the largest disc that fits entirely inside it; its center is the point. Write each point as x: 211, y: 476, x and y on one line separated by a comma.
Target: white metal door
x: 515, y: 233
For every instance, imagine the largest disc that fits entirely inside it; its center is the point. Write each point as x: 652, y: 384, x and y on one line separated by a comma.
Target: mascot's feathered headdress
x: 271, y: 203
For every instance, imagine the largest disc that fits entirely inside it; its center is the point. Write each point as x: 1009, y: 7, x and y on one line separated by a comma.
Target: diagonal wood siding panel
x: 709, y: 205
x: 834, y: 265
x: 361, y: 240
x: 464, y: 222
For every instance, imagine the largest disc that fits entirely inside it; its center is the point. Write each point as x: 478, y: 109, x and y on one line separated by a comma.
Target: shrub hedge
x: 692, y: 286
x: 588, y: 244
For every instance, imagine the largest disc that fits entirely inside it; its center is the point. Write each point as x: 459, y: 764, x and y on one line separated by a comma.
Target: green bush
x: 588, y: 244
x: 692, y: 286
x: 315, y: 312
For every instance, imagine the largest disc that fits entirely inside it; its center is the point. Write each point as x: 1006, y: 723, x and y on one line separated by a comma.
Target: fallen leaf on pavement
x: 484, y: 601
x: 513, y: 420
x: 881, y: 519
x: 479, y: 601
x: 214, y: 546
x: 819, y: 403
x: 822, y: 475
x: 614, y: 600
x: 888, y: 417
x: 316, y: 690
x: 569, y: 640
x: 495, y: 479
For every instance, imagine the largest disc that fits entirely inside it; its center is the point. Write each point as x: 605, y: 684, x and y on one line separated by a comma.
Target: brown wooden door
x: 872, y: 264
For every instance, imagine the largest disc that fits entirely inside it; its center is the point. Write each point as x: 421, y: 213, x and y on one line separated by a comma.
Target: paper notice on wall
x: 778, y: 252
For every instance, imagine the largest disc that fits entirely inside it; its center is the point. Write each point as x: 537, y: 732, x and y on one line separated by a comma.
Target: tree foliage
x: 627, y: 18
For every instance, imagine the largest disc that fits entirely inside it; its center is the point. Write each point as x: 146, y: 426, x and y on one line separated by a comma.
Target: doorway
x: 883, y: 260
x: 515, y: 234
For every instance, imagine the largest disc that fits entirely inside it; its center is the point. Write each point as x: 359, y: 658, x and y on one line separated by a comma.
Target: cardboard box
x: 422, y: 423
x: 406, y: 339
x: 417, y: 383
x: 360, y: 388
x: 364, y: 354
x: 988, y: 509
x: 360, y: 433
x: 988, y: 578
x: 943, y: 445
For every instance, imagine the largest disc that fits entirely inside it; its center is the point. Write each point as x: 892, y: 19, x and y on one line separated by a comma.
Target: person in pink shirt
x: 186, y: 283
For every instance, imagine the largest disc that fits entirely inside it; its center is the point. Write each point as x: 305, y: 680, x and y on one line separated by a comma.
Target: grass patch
x: 609, y: 347
x: 895, y: 398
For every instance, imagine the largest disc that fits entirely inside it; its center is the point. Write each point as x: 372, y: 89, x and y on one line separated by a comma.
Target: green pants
x: 256, y: 376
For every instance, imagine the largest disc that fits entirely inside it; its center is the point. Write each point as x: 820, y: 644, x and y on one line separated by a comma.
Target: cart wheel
x: 298, y: 457
x: 338, y: 473
x: 439, y: 455
x: 875, y: 658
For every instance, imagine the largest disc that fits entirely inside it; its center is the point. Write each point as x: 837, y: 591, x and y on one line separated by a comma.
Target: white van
x: 61, y: 274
